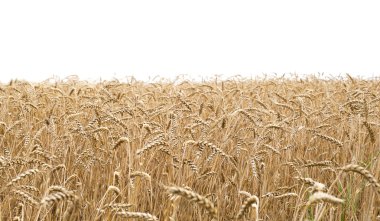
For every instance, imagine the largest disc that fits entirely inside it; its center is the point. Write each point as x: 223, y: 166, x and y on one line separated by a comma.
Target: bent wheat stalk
x: 320, y: 197
x: 191, y: 195
x: 362, y: 171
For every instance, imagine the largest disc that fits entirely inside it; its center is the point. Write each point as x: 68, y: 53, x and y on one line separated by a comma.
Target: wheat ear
x: 191, y: 195
x: 139, y: 215
x: 250, y: 201
x: 363, y: 172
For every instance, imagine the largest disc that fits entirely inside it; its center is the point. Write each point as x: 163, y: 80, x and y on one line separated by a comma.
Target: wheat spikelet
x: 320, y: 197
x: 316, y: 186
x: 271, y: 194
x: 20, y: 212
x: 191, y: 164
x: 169, y: 153
x: 215, y: 148
x: 12, y: 127
x: 185, y: 103
x: 120, y: 141
x: 253, y: 162
x: 27, y: 141
x: 70, y: 178
x: 118, y: 206
x: 262, y: 104
x: 286, y: 195
x: 57, y: 194
x: 245, y: 193
x: 283, y: 105
x: 247, y: 115
x: 41, y: 152
x: 274, y: 126
x: 113, y: 189
x: 150, y: 146
x: 191, y: 195
x: 4, y: 162
x: 56, y: 188
x: 274, y: 150
x: 57, y: 197
x: 140, y: 174
x: 59, y: 167
x: 320, y: 163
x: 250, y: 201
x: 330, y: 139
x: 116, y: 178
x: 26, y: 196
x: 210, y: 173
x: 100, y: 129
x: 371, y: 133
x: 363, y: 172
x: 17, y: 161
x: 138, y: 215
x: 29, y: 188
x: 117, y: 120
x: 23, y: 175
x: 353, y: 81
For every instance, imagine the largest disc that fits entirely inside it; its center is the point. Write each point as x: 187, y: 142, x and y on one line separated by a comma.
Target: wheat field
x: 275, y: 149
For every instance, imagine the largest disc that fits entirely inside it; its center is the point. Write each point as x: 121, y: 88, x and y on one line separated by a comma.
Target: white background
x: 106, y: 39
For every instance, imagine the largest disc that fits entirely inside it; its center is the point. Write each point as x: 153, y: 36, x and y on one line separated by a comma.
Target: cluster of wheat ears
x: 280, y: 149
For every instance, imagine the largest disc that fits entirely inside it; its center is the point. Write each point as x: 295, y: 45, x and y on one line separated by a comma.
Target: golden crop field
x: 280, y: 149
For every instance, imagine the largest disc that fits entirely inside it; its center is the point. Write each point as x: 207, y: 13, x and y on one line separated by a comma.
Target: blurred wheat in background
x: 280, y: 149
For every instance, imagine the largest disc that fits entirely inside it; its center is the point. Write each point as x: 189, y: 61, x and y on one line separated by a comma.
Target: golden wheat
x: 74, y: 150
